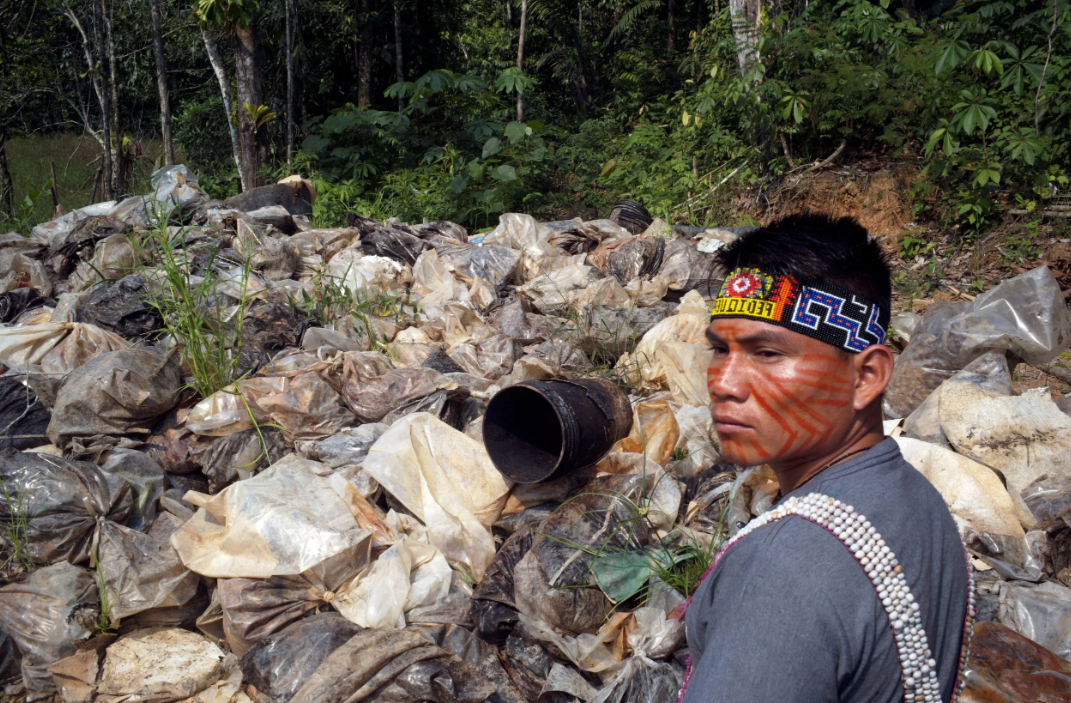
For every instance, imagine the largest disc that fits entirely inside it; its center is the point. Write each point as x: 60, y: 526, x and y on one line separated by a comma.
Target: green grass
x: 16, y: 529
x: 76, y: 158
x: 193, y: 313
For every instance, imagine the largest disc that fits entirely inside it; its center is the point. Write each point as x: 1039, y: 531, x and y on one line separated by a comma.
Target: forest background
x: 464, y: 109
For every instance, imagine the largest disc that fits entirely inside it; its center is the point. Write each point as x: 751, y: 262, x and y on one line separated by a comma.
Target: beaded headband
x: 825, y: 312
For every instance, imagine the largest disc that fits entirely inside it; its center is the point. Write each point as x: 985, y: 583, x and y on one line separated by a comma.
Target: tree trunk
x: 120, y: 162
x: 289, y: 86
x: 102, y: 97
x: 520, y: 56
x: 364, y: 57
x: 671, y: 15
x: 224, y: 88
x: 745, y: 16
x: 251, y: 139
x: 910, y: 8
x: 161, y: 83
x: 399, y: 69
x: 698, y: 16
x: 6, y: 187
x: 7, y: 200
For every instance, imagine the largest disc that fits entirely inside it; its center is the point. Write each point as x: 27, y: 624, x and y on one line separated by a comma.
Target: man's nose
x: 727, y: 378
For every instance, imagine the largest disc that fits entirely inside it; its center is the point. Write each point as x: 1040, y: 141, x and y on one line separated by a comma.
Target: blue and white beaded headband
x: 825, y: 312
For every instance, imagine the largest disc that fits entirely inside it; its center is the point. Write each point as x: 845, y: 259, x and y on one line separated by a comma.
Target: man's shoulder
x: 790, y: 548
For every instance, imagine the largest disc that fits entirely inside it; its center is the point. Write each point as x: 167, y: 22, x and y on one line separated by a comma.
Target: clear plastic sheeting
x: 283, y: 521
x: 1041, y: 613
x: 1025, y: 316
x: 447, y: 481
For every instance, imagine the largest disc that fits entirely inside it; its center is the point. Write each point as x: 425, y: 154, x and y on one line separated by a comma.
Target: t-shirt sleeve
x: 767, y: 629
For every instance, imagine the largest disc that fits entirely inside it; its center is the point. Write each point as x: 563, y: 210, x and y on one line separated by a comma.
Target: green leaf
x: 491, y: 147
x: 505, y: 173
x: 608, y: 168
x: 514, y: 131
x: 621, y: 575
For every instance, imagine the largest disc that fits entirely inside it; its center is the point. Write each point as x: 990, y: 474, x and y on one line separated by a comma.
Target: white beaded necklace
x: 918, y: 668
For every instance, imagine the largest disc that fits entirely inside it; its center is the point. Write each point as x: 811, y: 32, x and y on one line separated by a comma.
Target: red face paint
x: 777, y: 396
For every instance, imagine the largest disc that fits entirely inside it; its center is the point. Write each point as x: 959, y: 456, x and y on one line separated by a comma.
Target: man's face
x: 777, y: 396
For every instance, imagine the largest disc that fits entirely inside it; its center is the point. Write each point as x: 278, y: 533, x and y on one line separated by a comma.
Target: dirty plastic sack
x: 552, y: 582
x: 23, y: 417
x: 989, y: 372
x: 280, y: 664
x: 1005, y: 667
x: 309, y: 408
x: 1023, y: 436
x: 116, y: 393
x: 973, y: 492
x: 447, y: 481
x: 406, y: 576
x: 392, y: 665
x: 493, y: 264
x: 158, y: 665
x: 1042, y: 613
x: 283, y: 521
x: 147, y: 482
x: 122, y: 306
x: 61, y: 500
x: 141, y: 573
x: 642, y: 680
x: 47, y: 615
x: 83, y: 343
x: 1026, y: 316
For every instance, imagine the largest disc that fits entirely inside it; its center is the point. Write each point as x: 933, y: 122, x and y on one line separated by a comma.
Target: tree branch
x: 788, y: 154
x: 1044, y: 69
x: 829, y: 159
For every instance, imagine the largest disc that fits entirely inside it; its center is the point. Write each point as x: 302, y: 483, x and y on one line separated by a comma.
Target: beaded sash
x: 918, y: 668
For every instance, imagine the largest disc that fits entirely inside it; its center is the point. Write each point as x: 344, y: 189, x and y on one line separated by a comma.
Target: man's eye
x: 768, y: 354
x: 719, y: 348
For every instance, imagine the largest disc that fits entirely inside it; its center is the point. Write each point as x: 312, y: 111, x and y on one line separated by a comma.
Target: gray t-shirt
x: 789, y: 616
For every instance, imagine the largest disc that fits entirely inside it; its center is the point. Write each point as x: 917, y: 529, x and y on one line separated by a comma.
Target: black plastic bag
x: 122, y: 306
x: 23, y: 417
x: 47, y: 615
x: 59, y: 502
x: 279, y: 664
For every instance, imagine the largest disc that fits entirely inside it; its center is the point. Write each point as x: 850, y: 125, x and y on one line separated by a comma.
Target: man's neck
x: 791, y: 476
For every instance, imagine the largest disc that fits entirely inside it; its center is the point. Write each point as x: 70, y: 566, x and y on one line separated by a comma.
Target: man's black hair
x: 836, y: 251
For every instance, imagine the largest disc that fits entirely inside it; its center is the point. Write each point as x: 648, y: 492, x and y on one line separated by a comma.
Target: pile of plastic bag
x: 326, y: 525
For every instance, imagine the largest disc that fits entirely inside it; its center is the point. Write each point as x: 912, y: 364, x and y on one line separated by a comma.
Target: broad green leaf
x: 608, y: 168
x: 514, y: 131
x: 491, y: 147
x: 505, y: 173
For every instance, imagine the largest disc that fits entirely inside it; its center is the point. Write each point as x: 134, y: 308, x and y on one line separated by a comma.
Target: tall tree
x: 745, y: 16
x: 520, y: 55
x: 289, y: 85
x: 671, y: 16
x: 228, y: 105
x: 121, y: 163
x: 103, y: 98
x: 364, y: 56
x: 241, y: 19
x: 161, y: 83
x: 252, y: 135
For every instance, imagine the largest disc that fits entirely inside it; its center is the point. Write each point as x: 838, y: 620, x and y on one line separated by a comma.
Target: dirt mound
x: 878, y: 199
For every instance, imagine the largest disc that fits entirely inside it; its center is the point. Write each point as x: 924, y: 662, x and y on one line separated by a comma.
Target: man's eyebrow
x: 767, y: 336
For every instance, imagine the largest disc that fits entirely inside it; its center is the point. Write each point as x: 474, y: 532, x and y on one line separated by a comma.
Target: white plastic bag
x: 447, y: 481
x: 283, y: 521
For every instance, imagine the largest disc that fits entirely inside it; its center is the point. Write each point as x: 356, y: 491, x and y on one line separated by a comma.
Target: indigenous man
x: 855, y: 586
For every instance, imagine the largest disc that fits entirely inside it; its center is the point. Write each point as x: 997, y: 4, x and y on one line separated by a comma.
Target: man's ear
x: 873, y: 369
